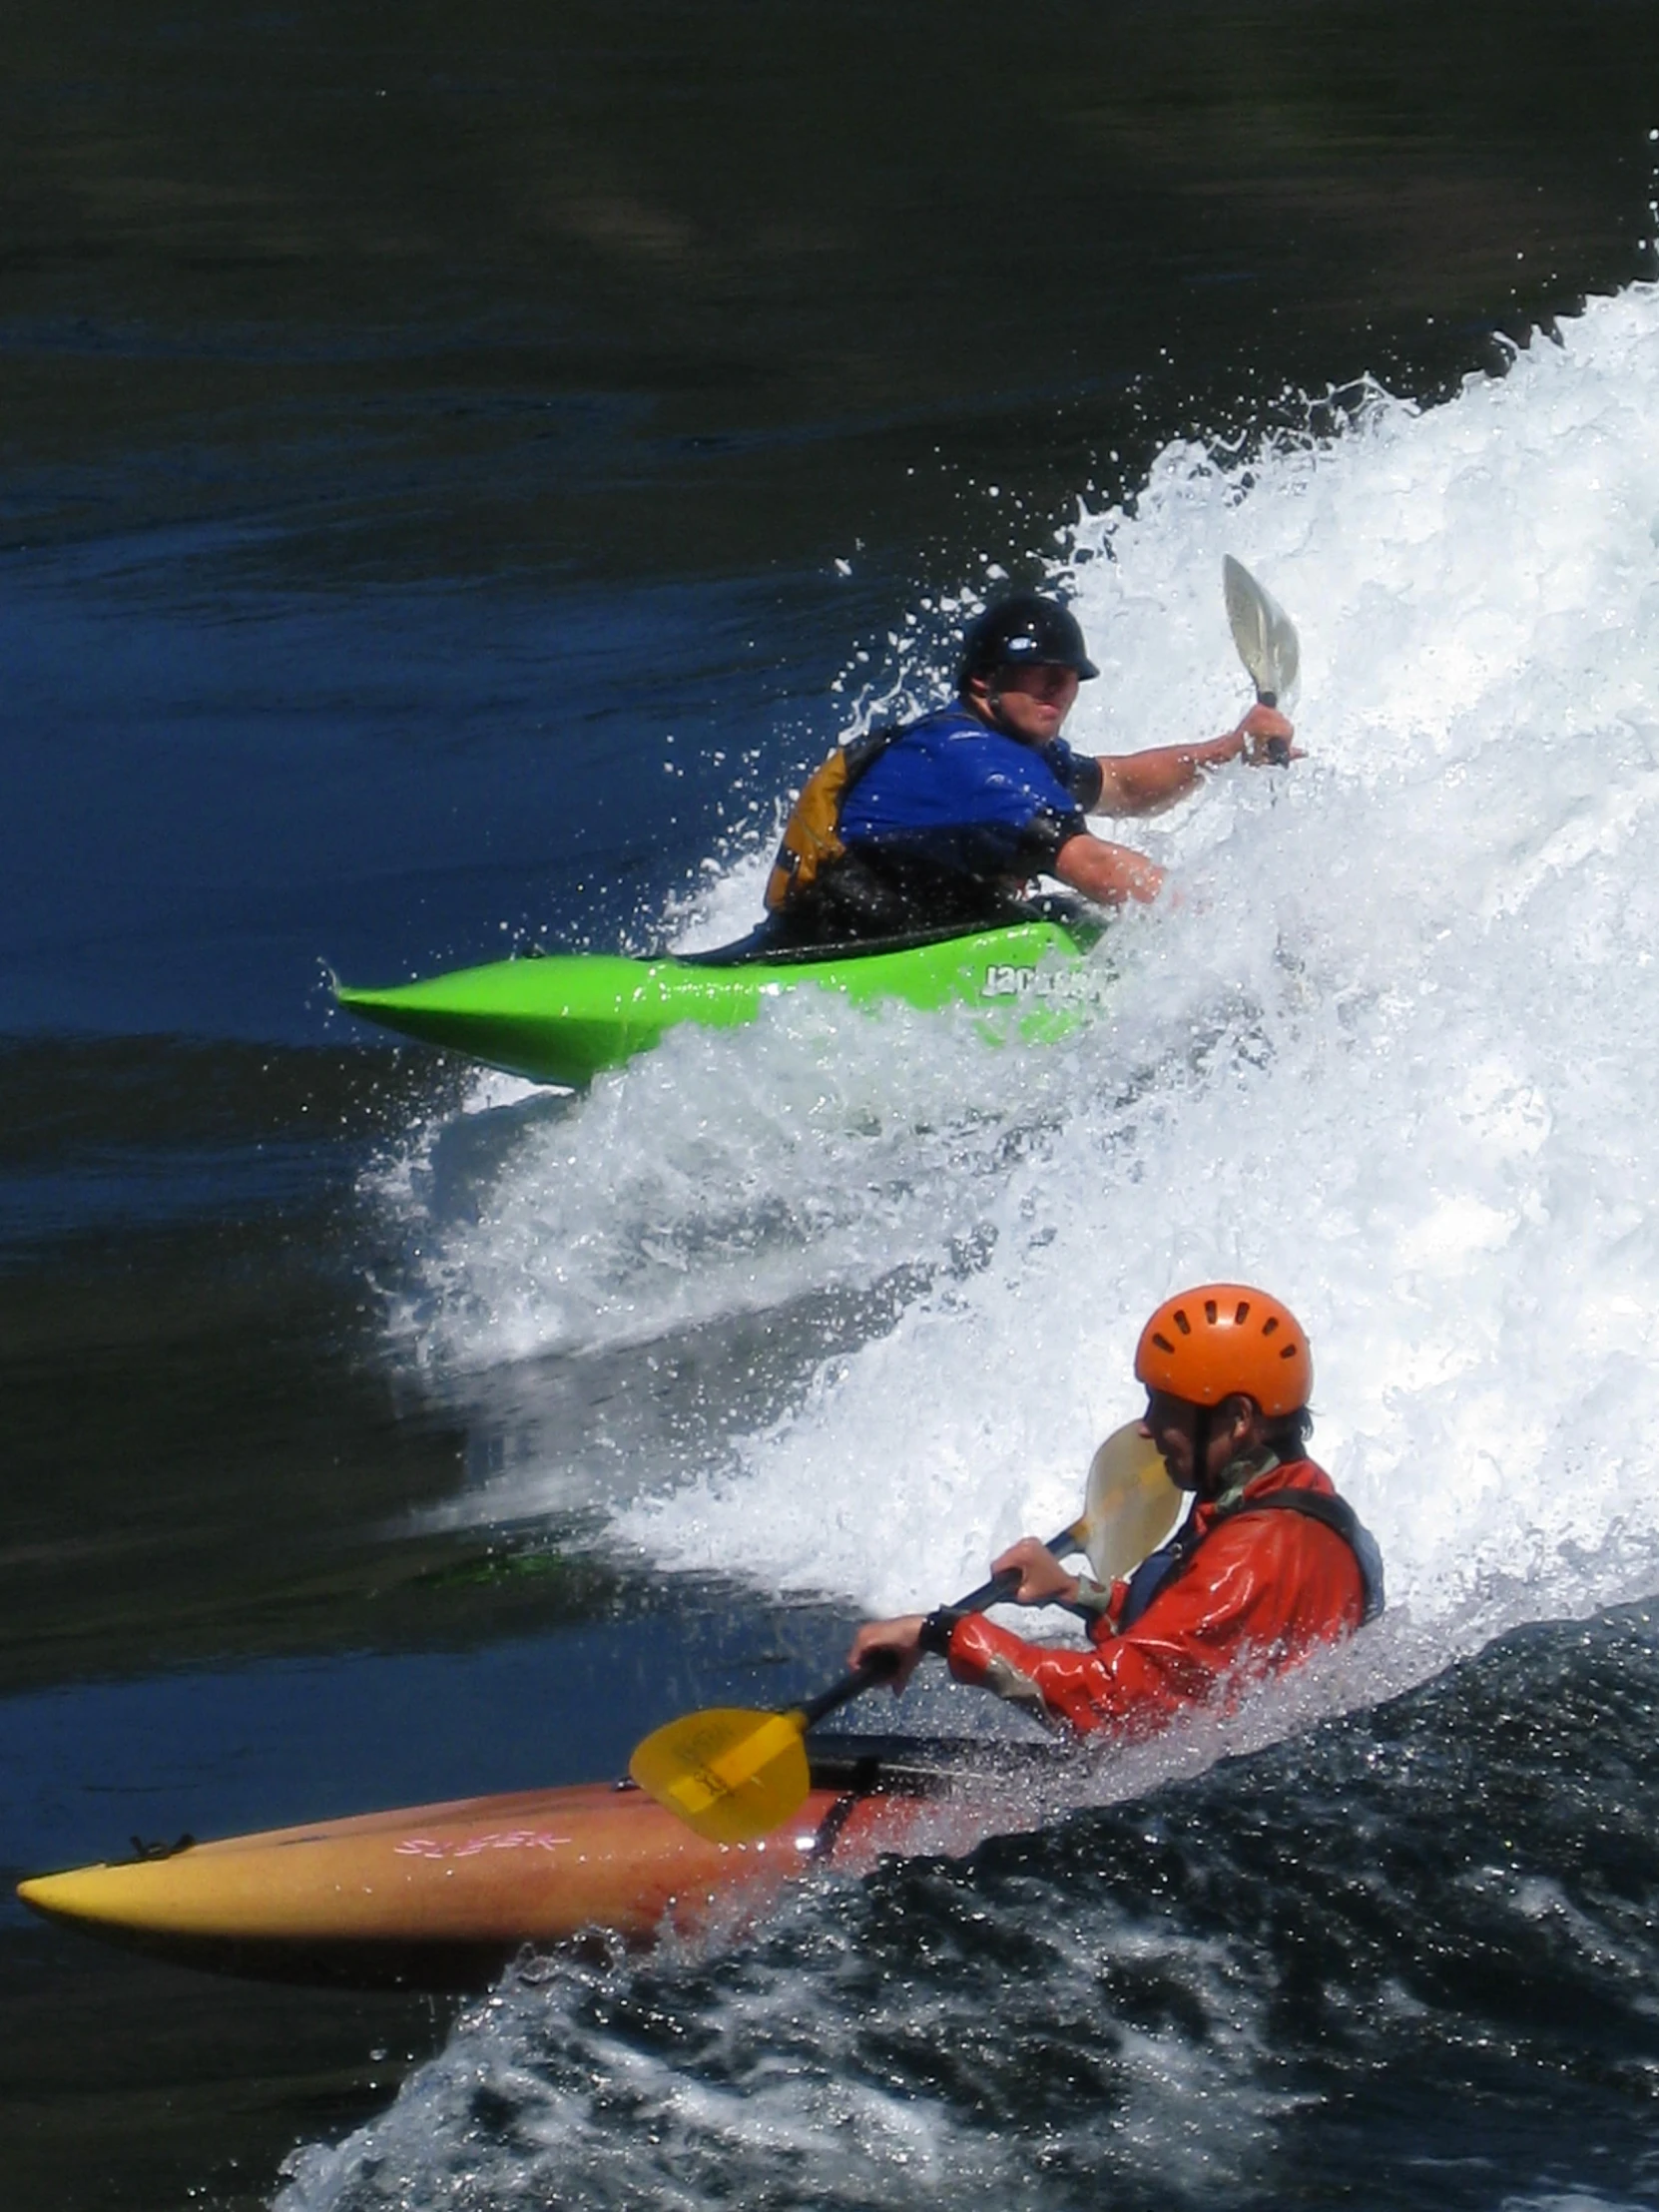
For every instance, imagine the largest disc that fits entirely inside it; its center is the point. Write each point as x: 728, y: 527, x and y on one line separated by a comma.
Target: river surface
x: 458, y: 470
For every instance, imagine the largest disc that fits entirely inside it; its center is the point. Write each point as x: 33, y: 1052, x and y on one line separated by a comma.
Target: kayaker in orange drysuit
x: 943, y: 821
x: 1269, y: 1564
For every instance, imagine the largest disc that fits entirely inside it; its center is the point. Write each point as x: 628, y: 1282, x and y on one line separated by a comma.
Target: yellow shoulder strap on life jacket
x: 812, y: 835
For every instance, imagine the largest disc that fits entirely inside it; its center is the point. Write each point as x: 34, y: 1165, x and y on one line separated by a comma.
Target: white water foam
x: 1394, y: 1053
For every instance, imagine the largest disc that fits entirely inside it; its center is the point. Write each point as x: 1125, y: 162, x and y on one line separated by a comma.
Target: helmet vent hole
x: 1269, y: 1326
x: 1210, y: 1312
x: 1286, y: 1351
x: 1163, y: 1343
x: 1241, y: 1315
x: 1183, y: 1323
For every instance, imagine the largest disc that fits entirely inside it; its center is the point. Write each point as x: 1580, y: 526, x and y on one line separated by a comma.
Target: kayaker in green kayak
x: 944, y: 821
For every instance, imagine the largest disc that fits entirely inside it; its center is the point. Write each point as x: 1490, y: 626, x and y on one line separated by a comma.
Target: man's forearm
x: 1110, y: 874
x: 1142, y: 782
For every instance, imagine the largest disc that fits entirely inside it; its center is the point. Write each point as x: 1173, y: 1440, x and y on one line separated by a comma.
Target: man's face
x: 1028, y: 702
x: 1169, y: 1422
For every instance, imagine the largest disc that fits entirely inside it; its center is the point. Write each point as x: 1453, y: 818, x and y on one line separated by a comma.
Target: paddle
x: 733, y: 1772
x: 1267, y: 643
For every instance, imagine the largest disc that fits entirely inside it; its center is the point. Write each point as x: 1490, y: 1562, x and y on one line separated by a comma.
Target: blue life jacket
x: 937, y: 822
x: 969, y: 797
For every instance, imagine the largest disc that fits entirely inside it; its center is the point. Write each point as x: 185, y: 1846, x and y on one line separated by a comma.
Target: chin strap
x: 1203, y: 1424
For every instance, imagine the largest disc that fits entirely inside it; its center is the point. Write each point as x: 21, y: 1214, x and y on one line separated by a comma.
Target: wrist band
x: 936, y: 1630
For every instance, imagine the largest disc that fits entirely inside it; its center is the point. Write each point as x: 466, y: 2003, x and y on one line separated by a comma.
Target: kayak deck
x: 441, y: 1896
x: 564, y: 1017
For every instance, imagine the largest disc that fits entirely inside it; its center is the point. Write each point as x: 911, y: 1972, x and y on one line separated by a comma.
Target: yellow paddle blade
x: 730, y: 1774
x: 1132, y: 1504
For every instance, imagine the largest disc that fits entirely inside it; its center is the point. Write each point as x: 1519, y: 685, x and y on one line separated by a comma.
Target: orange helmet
x: 1205, y: 1343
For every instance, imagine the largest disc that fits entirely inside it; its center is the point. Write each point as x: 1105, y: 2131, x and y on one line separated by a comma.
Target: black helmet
x: 1023, y: 631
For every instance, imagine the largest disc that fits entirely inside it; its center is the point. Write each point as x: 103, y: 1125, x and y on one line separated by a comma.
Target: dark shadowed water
x: 457, y: 466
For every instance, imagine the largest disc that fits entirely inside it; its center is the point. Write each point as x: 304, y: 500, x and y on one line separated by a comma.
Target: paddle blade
x: 730, y: 1774
x: 1132, y: 1504
x: 1263, y: 632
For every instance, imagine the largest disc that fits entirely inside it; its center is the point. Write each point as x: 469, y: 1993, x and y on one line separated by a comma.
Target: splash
x: 1393, y: 1053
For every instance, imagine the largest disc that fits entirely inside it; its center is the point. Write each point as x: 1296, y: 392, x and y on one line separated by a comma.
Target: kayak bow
x: 443, y: 1896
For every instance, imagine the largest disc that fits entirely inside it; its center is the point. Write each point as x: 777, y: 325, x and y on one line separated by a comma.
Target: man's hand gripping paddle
x: 735, y: 1774
x: 1267, y: 641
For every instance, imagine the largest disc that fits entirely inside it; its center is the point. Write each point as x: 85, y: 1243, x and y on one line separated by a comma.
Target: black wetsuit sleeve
x: 1086, y: 781
x: 1041, y: 839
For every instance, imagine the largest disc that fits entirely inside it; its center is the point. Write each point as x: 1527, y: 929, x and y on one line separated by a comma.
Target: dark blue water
x: 446, y: 465
x: 223, y: 786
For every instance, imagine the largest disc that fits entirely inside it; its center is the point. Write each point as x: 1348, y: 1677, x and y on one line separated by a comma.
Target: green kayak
x: 562, y: 1017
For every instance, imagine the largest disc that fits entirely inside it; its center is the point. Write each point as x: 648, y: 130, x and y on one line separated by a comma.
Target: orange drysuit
x: 1251, y: 1594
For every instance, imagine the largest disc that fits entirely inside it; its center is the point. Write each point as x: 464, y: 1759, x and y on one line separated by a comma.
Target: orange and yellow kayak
x: 443, y: 1896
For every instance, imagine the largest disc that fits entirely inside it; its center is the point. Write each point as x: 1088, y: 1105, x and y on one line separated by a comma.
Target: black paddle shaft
x: 884, y: 1665
x: 1279, y: 749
